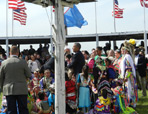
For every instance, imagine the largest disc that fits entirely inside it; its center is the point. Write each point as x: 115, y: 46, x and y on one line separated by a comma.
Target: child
x: 83, y: 83
x: 70, y: 86
x: 42, y: 104
x: 35, y: 80
x: 46, y: 81
x: 103, y: 102
x: 51, y: 98
x: 118, y: 94
x: 120, y: 102
x: 4, y: 106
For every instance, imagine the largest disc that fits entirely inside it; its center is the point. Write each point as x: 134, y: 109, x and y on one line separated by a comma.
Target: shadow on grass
x: 142, y: 109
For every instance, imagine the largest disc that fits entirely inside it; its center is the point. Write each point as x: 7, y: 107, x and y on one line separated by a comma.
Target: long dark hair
x: 85, y: 71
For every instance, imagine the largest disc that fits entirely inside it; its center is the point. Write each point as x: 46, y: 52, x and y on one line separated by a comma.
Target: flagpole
x: 7, y: 42
x: 51, y: 41
x: 12, y: 23
x: 145, y: 33
x: 114, y: 15
x: 96, y: 23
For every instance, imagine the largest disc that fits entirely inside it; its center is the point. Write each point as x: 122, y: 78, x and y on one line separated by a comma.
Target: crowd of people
x: 95, y: 83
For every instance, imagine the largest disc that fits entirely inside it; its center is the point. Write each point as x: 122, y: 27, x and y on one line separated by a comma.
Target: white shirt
x: 136, y: 59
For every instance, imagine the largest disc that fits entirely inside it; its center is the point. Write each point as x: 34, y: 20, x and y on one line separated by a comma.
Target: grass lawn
x: 0, y: 99
x: 142, y: 105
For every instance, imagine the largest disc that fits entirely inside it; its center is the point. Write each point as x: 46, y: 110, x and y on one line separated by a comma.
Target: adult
x: 77, y: 60
x: 45, y: 50
x: 140, y: 63
x: 117, y: 61
x: 33, y: 64
x: 67, y: 59
x: 86, y: 55
x: 39, y: 50
x: 31, y: 50
x: 111, y: 73
x: 13, y: 75
x: 128, y: 73
x: 99, y: 54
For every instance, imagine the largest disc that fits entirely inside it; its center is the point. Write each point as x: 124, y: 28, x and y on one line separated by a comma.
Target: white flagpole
x: 145, y: 33
x: 114, y: 15
x: 12, y: 23
x: 7, y: 42
x: 51, y: 41
x: 96, y: 23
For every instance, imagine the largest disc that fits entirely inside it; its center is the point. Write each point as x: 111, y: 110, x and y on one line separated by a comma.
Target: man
x: 13, y: 75
x: 31, y: 50
x: 140, y: 63
x: 78, y: 60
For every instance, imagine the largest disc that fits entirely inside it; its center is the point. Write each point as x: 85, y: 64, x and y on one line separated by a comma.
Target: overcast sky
x: 38, y: 24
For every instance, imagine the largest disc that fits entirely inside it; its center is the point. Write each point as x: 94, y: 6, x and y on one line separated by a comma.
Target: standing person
x: 86, y: 56
x: 83, y: 82
x: 128, y: 73
x: 13, y: 75
x: 78, y: 60
x: 118, y: 58
x: 99, y: 54
x: 140, y: 63
x: 31, y: 50
x: 33, y: 64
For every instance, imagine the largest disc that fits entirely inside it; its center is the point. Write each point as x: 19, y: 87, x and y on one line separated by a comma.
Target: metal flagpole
x: 59, y: 59
x: 51, y: 41
x: 12, y: 23
x: 114, y: 15
x: 97, y: 37
x: 145, y: 33
x: 7, y: 42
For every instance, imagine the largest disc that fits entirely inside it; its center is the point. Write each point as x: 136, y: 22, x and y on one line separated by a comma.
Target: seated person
x: 51, y: 98
x: 103, y: 103
x: 46, y: 81
x: 42, y: 104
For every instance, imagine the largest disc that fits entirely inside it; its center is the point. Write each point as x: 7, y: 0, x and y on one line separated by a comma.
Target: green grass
x: 0, y: 99
x: 141, y: 108
x: 142, y: 105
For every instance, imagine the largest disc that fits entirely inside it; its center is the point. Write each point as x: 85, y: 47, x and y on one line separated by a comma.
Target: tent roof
x: 74, y: 38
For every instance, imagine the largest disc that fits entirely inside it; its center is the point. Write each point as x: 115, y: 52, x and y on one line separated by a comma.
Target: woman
x: 128, y: 73
x: 118, y: 58
x: 83, y: 83
x: 111, y: 74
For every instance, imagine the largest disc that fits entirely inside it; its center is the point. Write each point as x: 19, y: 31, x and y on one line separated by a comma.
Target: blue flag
x: 73, y: 18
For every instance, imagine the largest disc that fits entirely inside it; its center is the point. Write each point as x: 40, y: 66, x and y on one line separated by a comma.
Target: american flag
x: 144, y: 3
x: 12, y: 4
x: 118, y: 12
x: 18, y: 10
x: 20, y: 16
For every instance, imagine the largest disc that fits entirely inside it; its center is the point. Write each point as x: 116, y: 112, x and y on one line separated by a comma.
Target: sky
x: 38, y: 23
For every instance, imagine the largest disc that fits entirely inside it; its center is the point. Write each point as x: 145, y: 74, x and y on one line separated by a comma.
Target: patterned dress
x: 128, y: 72
x: 84, y: 91
x: 102, y: 106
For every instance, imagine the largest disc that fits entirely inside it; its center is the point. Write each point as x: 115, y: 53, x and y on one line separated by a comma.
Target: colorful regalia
x: 104, y: 84
x: 102, y: 106
x: 128, y: 72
